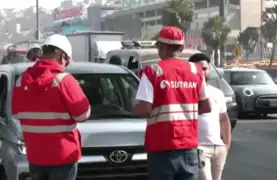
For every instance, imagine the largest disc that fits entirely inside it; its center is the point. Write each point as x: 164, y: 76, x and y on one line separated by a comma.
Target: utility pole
x: 37, y: 19
x: 222, y: 9
x: 261, y: 35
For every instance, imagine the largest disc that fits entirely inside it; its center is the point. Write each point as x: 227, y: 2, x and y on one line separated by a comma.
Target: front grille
x: 265, y: 101
x: 130, y: 170
x: 107, y: 150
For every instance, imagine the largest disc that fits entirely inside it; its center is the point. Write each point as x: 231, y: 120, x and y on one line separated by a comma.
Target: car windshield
x: 17, y: 57
x: 248, y: 78
x: 110, y: 95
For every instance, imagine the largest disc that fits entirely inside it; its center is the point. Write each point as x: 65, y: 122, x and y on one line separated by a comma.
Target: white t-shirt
x: 209, y: 123
x: 145, y: 90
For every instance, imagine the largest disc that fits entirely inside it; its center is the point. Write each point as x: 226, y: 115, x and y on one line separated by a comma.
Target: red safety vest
x: 50, y: 132
x: 173, y: 122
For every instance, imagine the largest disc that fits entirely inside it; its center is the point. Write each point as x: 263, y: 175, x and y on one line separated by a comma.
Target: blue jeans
x: 60, y: 172
x: 173, y: 165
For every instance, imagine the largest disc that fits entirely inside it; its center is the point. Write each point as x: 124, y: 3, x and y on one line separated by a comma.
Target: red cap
x: 171, y: 35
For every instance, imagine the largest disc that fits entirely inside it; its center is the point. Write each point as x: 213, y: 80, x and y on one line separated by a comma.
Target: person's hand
x: 228, y: 146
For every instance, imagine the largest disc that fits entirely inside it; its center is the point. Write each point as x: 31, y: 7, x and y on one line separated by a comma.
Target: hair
x: 115, y: 60
x: 199, y: 57
x: 48, y: 49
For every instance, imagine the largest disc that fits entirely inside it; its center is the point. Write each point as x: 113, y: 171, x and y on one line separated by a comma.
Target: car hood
x: 258, y: 89
x: 113, y: 132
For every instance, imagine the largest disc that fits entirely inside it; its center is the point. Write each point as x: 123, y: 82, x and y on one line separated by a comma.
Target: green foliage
x: 178, y: 13
x: 248, y: 39
x: 215, y: 32
x: 269, y: 31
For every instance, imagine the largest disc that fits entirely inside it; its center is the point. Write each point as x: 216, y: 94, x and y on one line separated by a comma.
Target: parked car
x: 143, y: 53
x: 112, y: 139
x: 256, y: 93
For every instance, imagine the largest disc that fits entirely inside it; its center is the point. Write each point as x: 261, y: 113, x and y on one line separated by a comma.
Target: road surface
x: 253, y: 155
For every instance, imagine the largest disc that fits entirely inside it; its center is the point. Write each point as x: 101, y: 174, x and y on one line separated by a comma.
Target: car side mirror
x: 221, y: 71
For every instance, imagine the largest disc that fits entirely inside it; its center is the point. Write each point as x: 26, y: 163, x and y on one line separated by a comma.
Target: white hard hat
x: 60, y: 42
x: 34, y: 46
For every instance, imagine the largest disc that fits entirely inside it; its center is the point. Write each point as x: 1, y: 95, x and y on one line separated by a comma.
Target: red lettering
x: 68, y: 13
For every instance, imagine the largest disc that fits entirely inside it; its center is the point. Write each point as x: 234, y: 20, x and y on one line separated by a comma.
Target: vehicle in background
x: 93, y: 46
x: 256, y: 92
x: 137, y: 54
x: 17, y: 52
x: 112, y: 138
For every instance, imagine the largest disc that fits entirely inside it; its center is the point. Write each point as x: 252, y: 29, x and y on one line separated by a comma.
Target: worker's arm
x: 204, y: 105
x: 144, y: 97
x: 74, y: 99
x: 225, y: 125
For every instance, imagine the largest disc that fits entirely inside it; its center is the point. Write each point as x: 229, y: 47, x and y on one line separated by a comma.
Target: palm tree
x: 215, y: 33
x: 269, y: 29
x: 178, y: 13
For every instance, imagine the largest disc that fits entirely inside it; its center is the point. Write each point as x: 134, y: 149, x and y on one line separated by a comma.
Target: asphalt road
x: 253, y: 155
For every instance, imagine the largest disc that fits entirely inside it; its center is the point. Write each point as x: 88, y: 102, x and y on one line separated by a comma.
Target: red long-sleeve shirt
x: 49, y: 103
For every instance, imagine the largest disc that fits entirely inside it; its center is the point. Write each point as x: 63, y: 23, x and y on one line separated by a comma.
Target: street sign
x: 236, y: 52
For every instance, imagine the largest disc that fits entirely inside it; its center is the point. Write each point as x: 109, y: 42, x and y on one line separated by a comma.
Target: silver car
x: 112, y: 139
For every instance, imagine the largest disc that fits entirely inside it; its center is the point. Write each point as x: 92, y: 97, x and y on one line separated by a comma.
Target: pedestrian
x: 214, y: 127
x: 49, y: 103
x: 170, y: 95
x: 34, y: 53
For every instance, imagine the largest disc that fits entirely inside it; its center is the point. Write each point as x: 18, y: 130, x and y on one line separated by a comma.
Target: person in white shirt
x: 214, y: 127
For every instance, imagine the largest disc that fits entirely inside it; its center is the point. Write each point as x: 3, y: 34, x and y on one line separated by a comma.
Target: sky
x: 21, y: 4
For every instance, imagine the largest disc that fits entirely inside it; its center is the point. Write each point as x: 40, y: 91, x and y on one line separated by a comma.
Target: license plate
x: 273, y: 103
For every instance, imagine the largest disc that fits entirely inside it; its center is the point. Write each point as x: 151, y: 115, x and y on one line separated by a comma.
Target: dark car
x: 256, y: 92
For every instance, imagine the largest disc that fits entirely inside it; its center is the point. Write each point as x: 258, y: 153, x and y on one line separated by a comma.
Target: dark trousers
x: 173, y: 165
x: 60, y: 172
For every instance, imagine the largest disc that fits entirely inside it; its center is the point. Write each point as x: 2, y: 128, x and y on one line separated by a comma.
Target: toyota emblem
x: 118, y: 156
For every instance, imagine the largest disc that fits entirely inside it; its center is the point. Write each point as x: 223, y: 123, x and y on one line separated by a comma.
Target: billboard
x: 75, y: 13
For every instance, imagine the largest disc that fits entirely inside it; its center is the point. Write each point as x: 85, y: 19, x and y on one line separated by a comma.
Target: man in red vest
x: 49, y: 103
x: 171, y: 94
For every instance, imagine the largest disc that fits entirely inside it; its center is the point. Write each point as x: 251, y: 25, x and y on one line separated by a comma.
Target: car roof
x: 74, y: 68
x: 243, y: 70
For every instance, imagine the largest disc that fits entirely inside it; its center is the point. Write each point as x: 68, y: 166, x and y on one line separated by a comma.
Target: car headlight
x: 21, y: 146
x: 248, y: 92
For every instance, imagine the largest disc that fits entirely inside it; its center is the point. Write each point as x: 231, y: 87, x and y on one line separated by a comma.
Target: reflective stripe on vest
x: 58, y: 78
x: 48, y: 129
x: 193, y: 68
x: 158, y: 70
x: 174, y: 112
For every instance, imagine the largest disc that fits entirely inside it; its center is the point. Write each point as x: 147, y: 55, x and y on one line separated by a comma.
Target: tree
x: 215, y: 33
x: 269, y: 29
x: 248, y: 40
x: 178, y: 13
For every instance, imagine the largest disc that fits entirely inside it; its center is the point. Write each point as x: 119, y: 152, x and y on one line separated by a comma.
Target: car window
x: 109, y: 95
x: 227, y: 77
x: 250, y: 78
